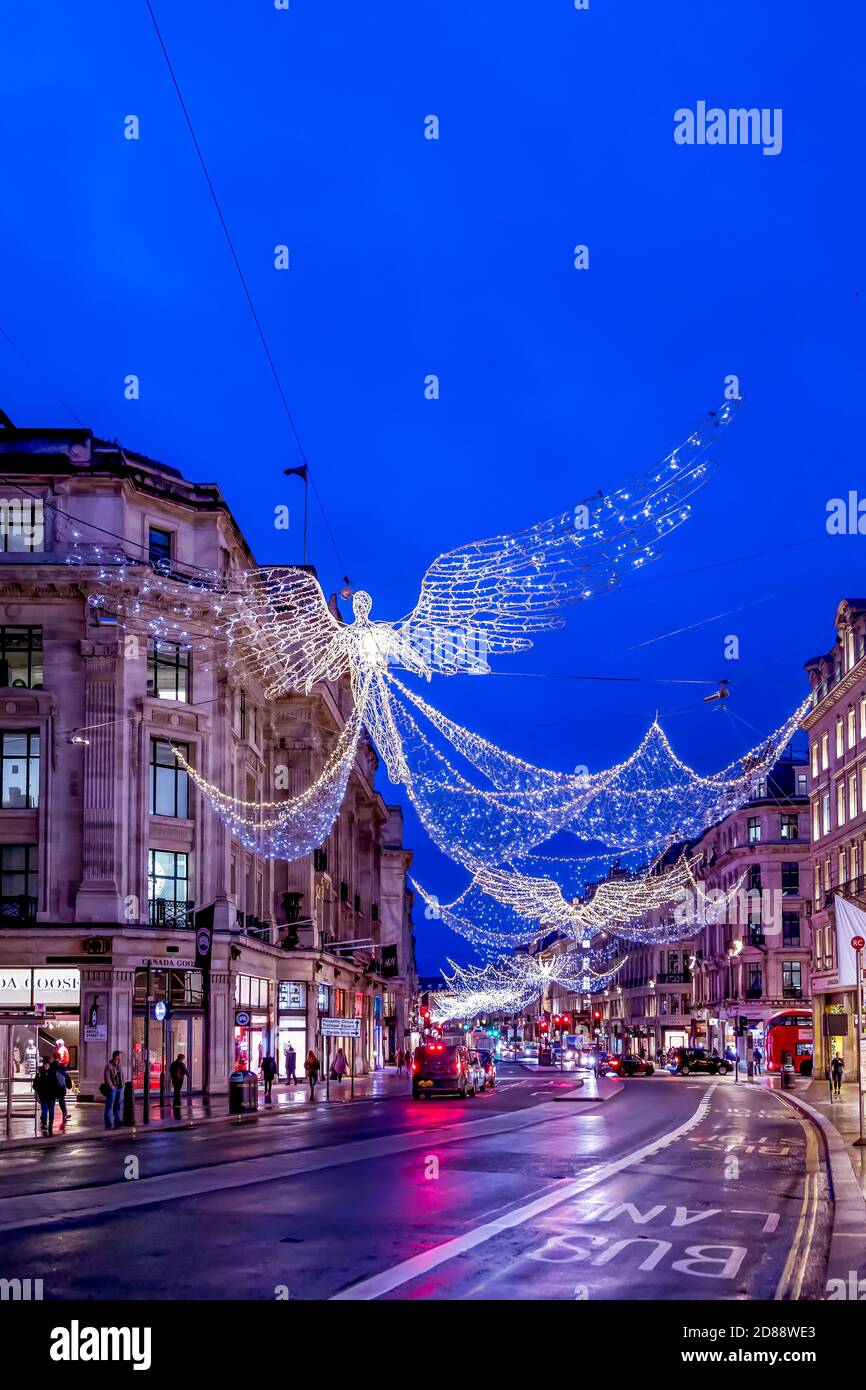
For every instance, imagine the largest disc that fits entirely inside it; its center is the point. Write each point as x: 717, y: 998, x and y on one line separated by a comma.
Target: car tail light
x: 414, y: 1066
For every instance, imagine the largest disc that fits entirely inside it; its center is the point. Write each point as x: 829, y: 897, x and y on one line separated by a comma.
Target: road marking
x: 410, y: 1269
x: 791, y: 1282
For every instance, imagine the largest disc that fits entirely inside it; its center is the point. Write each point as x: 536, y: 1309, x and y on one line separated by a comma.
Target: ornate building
x: 108, y: 851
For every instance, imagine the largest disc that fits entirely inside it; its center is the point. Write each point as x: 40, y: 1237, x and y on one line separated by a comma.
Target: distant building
x: 836, y: 726
x: 107, y: 850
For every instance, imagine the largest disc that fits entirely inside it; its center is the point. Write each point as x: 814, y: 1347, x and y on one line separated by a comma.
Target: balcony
x: 682, y: 977
x: 754, y: 992
x: 18, y: 908
x: 792, y: 991
x: 162, y: 912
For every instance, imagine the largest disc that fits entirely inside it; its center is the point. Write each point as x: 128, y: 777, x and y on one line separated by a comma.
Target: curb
x: 849, y: 1203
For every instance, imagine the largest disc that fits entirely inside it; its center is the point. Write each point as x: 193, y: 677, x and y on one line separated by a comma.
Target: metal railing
x: 18, y: 908
x: 162, y: 912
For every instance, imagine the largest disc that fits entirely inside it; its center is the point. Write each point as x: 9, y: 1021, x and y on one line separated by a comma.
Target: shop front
x: 55, y: 993
x: 167, y: 1020
x: 291, y: 1023
x: 253, y: 1022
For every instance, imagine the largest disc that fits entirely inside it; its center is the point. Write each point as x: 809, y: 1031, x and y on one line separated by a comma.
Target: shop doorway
x: 182, y: 1032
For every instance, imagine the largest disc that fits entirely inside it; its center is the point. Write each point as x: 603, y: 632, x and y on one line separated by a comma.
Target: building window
x: 852, y: 795
x: 840, y: 741
x: 169, y: 782
x: 21, y: 657
x: 802, y: 784
x: 843, y: 868
x: 790, y: 928
x: 159, y: 548
x: 168, y: 671
x: 790, y: 827
x: 825, y: 752
x: 816, y: 821
x: 791, y: 879
x: 759, y: 789
x: 755, y: 986
x: 754, y: 829
x: 18, y: 880
x: 168, y: 888
x: 792, y: 979
x: 851, y: 729
x: 242, y: 714
x: 816, y: 878
x: 22, y: 525
x: 754, y: 879
x: 863, y: 716
x: 840, y: 803
x: 20, y: 760
x: 814, y: 751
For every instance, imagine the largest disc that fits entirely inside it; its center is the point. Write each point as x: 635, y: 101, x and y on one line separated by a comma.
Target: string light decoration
x: 510, y: 983
x: 483, y: 598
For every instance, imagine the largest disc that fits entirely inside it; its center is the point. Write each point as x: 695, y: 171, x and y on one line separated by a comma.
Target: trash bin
x: 787, y: 1077
x: 243, y: 1092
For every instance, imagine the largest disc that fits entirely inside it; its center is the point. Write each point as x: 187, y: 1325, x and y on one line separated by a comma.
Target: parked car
x: 607, y: 1063
x: 488, y: 1063
x: 443, y: 1069
x: 696, y: 1059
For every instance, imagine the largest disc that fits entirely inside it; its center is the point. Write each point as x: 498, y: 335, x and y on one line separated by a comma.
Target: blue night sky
x: 455, y: 257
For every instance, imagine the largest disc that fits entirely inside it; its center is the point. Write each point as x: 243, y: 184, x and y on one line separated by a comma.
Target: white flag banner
x: 850, y: 922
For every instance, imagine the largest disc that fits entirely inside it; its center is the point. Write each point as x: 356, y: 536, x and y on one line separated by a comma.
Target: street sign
x: 341, y: 1027
x: 159, y: 1010
x: 242, y: 1018
x: 857, y: 943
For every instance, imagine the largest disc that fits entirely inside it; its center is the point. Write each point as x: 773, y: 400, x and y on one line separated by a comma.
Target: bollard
x: 128, y: 1105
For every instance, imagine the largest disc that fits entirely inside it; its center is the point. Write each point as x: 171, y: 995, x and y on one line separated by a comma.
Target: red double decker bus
x: 790, y: 1036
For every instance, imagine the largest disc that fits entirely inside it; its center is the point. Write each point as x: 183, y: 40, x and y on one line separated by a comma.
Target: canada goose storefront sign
x: 54, y: 988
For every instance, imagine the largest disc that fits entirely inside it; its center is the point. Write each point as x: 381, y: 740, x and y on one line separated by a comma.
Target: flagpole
x: 306, y: 492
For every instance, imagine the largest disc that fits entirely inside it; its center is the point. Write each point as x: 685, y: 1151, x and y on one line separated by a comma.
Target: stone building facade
x: 107, y: 849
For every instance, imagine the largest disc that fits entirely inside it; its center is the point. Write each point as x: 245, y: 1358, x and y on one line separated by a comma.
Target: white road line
x: 418, y: 1265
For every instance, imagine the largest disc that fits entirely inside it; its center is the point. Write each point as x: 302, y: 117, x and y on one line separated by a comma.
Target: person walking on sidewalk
x: 291, y: 1063
x: 341, y: 1065
x: 757, y: 1058
x: 837, y: 1067
x: 269, y: 1071
x: 45, y: 1086
x: 311, y: 1069
x: 112, y: 1089
x: 399, y: 1060
x: 178, y: 1073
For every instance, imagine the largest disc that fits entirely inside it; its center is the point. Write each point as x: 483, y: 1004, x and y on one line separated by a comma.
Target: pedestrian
x: 340, y: 1065
x: 399, y: 1061
x: 112, y: 1089
x: 757, y: 1058
x: 291, y: 1062
x: 178, y: 1073
x: 837, y: 1067
x: 269, y: 1071
x: 45, y: 1086
x: 311, y: 1068
x: 408, y: 1060
x: 63, y: 1083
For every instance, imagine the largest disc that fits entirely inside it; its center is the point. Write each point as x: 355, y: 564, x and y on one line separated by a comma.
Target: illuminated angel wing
x: 281, y: 628
x: 510, y: 586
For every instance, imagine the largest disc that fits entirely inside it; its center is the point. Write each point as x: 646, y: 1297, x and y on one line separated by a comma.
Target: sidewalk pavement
x: 86, y: 1119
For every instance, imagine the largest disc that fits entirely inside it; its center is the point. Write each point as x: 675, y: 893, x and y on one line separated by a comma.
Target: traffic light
x: 565, y: 1020
x: 596, y: 1015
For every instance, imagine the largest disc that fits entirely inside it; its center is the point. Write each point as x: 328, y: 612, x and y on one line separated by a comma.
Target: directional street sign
x: 341, y: 1028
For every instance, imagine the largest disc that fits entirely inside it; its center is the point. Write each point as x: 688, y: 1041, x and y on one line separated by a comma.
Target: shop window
x: 18, y: 880
x: 21, y: 657
x: 19, y: 755
x: 168, y: 671
x: 169, y: 782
